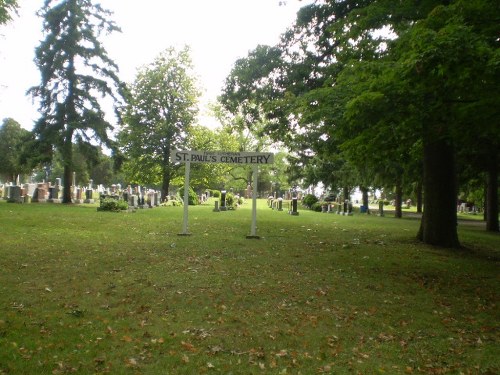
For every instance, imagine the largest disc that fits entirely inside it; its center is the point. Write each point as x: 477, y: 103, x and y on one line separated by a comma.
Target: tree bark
x: 399, y: 200
x: 67, y: 152
x: 366, y: 203
x: 492, y: 197
x: 419, y: 197
x: 439, y: 221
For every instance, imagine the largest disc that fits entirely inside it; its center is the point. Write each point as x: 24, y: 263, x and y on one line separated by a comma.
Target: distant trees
x: 75, y: 70
x: 162, y: 108
x: 13, y: 139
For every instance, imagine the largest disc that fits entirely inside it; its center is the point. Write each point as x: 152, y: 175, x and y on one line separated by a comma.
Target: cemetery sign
x: 222, y: 157
x: 253, y: 158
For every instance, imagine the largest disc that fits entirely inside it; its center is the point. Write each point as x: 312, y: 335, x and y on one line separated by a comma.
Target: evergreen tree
x: 7, y: 7
x: 75, y: 71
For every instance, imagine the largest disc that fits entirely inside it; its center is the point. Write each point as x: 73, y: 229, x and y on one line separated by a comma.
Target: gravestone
x: 79, y: 195
x: 280, y: 204
x: 89, y: 196
x: 40, y: 193
x: 15, y: 194
x: 5, y: 192
x: 223, y: 206
x: 294, y: 209
x: 133, y: 201
x: 54, y: 194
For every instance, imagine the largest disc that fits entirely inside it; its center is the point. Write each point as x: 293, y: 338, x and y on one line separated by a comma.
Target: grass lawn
x: 87, y: 292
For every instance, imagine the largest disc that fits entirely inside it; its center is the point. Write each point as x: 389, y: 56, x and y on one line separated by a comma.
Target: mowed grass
x: 86, y: 292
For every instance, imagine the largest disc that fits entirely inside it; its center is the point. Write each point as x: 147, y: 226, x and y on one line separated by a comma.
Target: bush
x: 193, y: 199
x: 229, y: 200
x: 309, y: 200
x: 111, y: 204
x: 215, y: 193
x: 317, y: 206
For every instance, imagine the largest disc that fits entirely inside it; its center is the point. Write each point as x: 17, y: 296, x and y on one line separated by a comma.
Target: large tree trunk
x: 439, y: 221
x: 399, y: 200
x: 364, y: 198
x: 491, y: 206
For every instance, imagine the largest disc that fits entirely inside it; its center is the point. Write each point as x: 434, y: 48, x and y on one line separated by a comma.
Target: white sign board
x: 177, y: 156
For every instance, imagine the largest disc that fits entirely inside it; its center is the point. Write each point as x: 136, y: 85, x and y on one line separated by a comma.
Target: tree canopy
x: 13, y: 138
x: 387, y: 89
x: 162, y: 108
x: 75, y: 71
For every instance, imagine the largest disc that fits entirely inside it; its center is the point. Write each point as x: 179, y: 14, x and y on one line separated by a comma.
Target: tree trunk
x: 364, y: 198
x: 165, y: 183
x: 492, y: 197
x: 419, y: 197
x: 399, y: 200
x: 346, y: 194
x: 68, y: 166
x: 439, y: 221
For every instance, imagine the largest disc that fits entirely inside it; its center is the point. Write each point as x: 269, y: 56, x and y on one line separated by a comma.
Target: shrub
x: 111, y: 204
x: 229, y: 200
x: 317, y: 206
x: 215, y: 193
x: 193, y: 199
x: 309, y: 200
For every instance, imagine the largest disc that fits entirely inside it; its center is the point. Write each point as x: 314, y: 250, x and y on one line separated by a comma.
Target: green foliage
x: 205, y: 175
x: 69, y: 109
x: 193, y: 199
x: 112, y: 204
x: 215, y: 193
x: 13, y: 139
x: 161, y: 110
x: 230, y: 203
x: 317, y: 207
x: 309, y: 200
x: 7, y: 8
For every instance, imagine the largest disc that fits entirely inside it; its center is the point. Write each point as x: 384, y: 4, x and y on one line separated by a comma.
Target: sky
x: 218, y: 32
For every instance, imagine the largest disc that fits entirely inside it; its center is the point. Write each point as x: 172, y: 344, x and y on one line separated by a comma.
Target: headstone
x: 223, y: 206
x: 5, y: 192
x: 15, y: 194
x: 54, y: 194
x: 216, y: 208
x: 280, y: 204
x: 78, y: 196
x: 133, y: 201
x: 294, y: 207
x: 40, y: 193
x: 89, y: 196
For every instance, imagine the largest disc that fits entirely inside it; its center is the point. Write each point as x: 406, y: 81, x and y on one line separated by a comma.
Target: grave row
x: 46, y: 192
